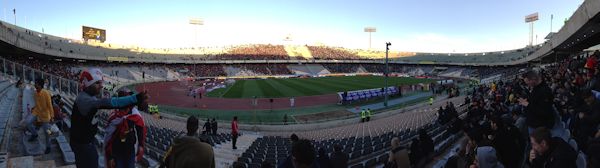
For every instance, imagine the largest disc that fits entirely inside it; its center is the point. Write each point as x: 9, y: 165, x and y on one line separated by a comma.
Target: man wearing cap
x: 124, y: 139
x: 85, y: 108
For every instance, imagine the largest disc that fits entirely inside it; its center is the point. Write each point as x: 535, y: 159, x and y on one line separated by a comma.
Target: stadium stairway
x: 225, y: 156
x: 317, y: 69
x: 361, y: 69
x: 7, y: 103
x: 396, y: 101
x: 60, y: 154
x: 299, y: 69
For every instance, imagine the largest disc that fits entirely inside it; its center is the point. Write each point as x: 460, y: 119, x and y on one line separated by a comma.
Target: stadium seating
x: 361, y: 95
x: 57, y: 46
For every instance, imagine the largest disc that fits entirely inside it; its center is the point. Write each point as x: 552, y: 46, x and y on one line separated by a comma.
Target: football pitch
x: 274, y: 88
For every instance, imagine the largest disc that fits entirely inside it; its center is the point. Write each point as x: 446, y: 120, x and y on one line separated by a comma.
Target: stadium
x: 228, y: 97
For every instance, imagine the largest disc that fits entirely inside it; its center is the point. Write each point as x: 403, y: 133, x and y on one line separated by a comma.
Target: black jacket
x: 339, y: 159
x: 507, y: 144
x: 560, y: 155
x: 539, y: 112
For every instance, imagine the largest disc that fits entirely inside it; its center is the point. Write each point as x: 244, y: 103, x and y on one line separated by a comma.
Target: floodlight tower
x: 387, y: 49
x: 531, y: 19
x: 196, y: 22
x: 370, y: 30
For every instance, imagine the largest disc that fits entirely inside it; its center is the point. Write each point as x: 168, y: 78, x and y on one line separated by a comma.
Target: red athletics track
x: 175, y: 94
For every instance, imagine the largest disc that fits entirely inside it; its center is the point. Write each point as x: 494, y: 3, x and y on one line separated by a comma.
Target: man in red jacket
x: 591, y: 63
x: 234, y: 131
x: 126, y: 128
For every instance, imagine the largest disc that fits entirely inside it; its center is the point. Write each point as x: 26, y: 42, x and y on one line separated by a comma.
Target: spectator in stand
x: 415, y: 152
x: 126, y: 128
x: 255, y: 52
x: 207, y: 128
x: 178, y: 156
x: 85, y: 108
x: 59, y: 116
x: 584, y: 124
x: 425, y: 143
x: 519, y: 122
x: 592, y: 63
x: 339, y: 159
x: 331, y: 53
x: 214, y: 126
x: 538, y: 104
x: 303, y: 154
x: 323, y: 159
x: 19, y: 83
x: 550, y: 152
x: 234, y: 131
x: 192, y: 126
x: 593, y: 151
x: 398, y: 156
x: 507, y: 141
x: 189, y: 152
x: 486, y: 158
x: 288, y: 161
x: 42, y: 113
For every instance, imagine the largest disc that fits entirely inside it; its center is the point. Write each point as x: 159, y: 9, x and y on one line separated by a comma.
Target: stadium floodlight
x: 370, y: 30
x: 531, y: 18
x: 196, y: 21
x: 15, y: 15
x: 387, y: 49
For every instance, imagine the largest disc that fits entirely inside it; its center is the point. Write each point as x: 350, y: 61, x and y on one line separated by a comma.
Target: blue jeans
x: 86, y: 155
x: 45, y: 127
x: 125, y: 162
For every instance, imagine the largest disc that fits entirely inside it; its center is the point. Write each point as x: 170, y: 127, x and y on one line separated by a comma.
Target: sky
x: 410, y: 25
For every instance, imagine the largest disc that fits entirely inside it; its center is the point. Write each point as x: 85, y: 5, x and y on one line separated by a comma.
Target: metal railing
x: 28, y: 74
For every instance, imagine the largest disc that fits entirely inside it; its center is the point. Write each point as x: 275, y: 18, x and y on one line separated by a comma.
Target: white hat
x: 91, y: 76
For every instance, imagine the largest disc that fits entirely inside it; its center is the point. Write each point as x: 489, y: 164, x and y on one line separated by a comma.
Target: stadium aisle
x: 225, y: 156
x: 396, y: 101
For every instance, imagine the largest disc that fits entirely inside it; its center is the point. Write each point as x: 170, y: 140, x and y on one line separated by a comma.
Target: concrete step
x: 225, y: 156
x: 18, y: 162
x: 36, y: 147
x: 68, y: 166
x: 44, y: 164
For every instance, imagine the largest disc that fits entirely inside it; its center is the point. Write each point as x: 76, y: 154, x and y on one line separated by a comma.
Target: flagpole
x: 15, y: 14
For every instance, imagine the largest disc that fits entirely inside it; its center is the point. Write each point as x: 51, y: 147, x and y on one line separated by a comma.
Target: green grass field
x: 273, y: 88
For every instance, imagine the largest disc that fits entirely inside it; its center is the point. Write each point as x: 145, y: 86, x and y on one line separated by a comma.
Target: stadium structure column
x: 387, y: 49
x: 14, y: 74
x: 4, y: 66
